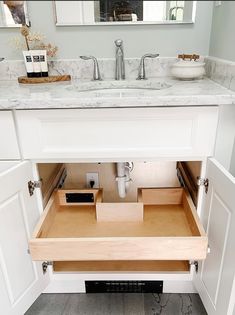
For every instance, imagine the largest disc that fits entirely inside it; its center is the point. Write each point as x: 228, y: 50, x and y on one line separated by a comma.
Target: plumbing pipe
x: 123, y: 178
x: 128, y: 169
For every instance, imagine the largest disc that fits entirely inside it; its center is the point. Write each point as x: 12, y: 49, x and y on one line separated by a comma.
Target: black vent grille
x: 124, y: 286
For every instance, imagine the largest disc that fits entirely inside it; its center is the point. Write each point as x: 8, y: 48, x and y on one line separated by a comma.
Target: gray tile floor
x: 117, y: 304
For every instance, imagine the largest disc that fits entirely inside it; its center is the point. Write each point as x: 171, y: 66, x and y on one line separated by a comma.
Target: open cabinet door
x: 215, y: 276
x: 21, y: 280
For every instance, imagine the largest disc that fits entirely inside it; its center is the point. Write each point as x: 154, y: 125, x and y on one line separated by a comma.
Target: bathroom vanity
x: 185, y: 241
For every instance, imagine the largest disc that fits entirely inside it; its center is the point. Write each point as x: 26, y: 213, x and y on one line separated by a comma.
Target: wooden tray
x: 52, y: 78
x: 190, y: 57
x: 171, y: 230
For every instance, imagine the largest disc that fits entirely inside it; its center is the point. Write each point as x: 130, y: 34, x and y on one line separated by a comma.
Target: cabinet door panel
x: 8, y: 141
x: 14, y: 258
x: 219, y: 222
x: 4, y: 296
x: 216, y: 274
x: 118, y: 134
x: 23, y: 280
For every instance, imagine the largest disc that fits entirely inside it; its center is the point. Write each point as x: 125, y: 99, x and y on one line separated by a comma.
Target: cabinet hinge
x: 45, y: 265
x: 203, y: 182
x: 32, y: 185
x: 195, y: 264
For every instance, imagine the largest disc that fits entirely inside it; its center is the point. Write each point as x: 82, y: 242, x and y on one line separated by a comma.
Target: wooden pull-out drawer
x: 170, y: 230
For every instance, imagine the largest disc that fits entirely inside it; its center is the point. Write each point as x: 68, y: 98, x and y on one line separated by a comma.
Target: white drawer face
x: 93, y: 134
x: 8, y: 142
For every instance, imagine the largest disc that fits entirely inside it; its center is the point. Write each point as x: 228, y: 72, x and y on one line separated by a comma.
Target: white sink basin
x: 130, y: 87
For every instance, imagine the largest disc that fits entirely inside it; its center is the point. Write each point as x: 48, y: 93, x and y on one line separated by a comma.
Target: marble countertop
x: 72, y: 95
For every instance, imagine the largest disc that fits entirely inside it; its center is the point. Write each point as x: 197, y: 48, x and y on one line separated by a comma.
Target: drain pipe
x: 123, y: 178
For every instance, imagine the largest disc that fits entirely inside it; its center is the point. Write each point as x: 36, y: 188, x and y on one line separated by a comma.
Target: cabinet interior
x: 144, y: 174
x: 69, y: 221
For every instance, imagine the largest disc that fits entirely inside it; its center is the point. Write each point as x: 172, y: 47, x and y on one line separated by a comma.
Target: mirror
x: 13, y: 13
x: 116, y: 12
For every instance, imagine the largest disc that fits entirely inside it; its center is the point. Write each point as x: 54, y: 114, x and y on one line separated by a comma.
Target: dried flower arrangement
x: 33, y: 40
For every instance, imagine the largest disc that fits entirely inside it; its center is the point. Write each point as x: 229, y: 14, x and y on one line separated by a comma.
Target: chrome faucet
x: 1, y: 59
x: 120, y: 65
x: 96, y: 73
x: 141, y: 72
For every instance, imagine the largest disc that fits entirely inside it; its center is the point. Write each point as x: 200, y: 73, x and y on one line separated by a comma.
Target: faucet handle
x: 96, y: 73
x: 150, y: 56
x: 141, y: 72
x: 87, y: 57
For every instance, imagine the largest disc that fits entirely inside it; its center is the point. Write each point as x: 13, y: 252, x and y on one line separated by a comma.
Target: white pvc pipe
x: 123, y: 177
x: 128, y: 177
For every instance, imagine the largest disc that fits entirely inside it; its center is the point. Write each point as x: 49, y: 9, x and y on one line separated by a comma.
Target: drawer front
x: 151, y: 248
x: 120, y: 134
x: 8, y: 141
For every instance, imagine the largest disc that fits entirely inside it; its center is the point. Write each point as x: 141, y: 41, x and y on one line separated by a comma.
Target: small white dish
x: 188, y: 70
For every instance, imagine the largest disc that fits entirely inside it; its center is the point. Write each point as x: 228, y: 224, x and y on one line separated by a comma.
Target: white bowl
x: 188, y: 70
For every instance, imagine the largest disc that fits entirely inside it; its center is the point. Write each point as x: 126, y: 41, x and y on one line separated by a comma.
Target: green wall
x: 222, y: 44
x: 168, y: 40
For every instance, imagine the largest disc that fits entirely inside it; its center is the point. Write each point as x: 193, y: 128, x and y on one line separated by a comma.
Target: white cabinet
x: 21, y: 280
x: 215, y: 278
x: 8, y: 141
x: 118, y: 134
x: 123, y: 134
